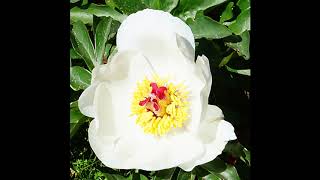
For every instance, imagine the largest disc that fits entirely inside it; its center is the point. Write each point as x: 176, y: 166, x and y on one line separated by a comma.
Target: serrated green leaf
x: 230, y: 173
x: 105, y: 11
x: 227, y: 13
x: 101, y: 37
x: 82, y: 44
x: 77, y: 14
x: 225, y: 60
x: 185, y: 175
x: 215, y: 166
x: 129, y: 6
x: 242, y: 23
x: 243, y: 4
x: 242, y: 47
x: 80, y: 78
x: 189, y: 8
x: 205, y: 27
x: 239, y: 71
x: 164, y: 5
x: 74, y: 54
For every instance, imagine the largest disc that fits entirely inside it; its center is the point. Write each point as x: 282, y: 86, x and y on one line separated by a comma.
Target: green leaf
x: 74, y: 104
x: 77, y: 14
x: 242, y: 23
x: 227, y: 13
x: 239, y: 71
x: 101, y: 37
x: 74, y: 1
x: 110, y: 3
x: 225, y: 60
x: 239, y: 151
x: 212, y: 177
x: 76, y: 120
x: 137, y: 176
x: 230, y: 173
x: 185, y: 175
x: 114, y: 28
x: 74, y: 54
x: 84, y: 2
x: 113, y: 51
x: 200, y: 172
x: 164, y: 5
x: 242, y: 47
x: 205, y: 27
x: 75, y: 115
x: 247, y: 157
x: 243, y: 4
x: 235, y: 149
x: 106, y: 11
x: 110, y: 176
x: 189, y: 8
x: 79, y: 78
x: 107, y: 50
x: 215, y: 166
x: 129, y: 6
x: 82, y: 44
x: 164, y: 174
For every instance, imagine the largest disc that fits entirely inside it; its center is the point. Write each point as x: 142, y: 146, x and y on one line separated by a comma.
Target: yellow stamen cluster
x: 173, y: 110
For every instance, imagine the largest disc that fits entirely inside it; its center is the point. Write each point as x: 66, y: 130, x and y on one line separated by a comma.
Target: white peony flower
x: 150, y: 102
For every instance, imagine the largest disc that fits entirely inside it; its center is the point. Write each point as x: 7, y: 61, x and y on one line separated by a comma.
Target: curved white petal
x: 154, y: 33
x: 214, y: 134
x: 85, y: 101
x: 116, y: 71
x: 143, y: 152
x: 203, y: 65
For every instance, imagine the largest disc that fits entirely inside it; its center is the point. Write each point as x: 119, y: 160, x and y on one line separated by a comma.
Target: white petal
x: 203, y: 65
x: 214, y: 134
x: 85, y: 101
x: 144, y: 152
x: 153, y: 33
x: 116, y: 71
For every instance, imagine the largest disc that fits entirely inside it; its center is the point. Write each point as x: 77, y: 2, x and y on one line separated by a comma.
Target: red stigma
x: 159, y: 92
x: 145, y: 101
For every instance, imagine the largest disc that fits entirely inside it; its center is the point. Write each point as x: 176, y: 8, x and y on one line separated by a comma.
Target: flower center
x: 159, y: 106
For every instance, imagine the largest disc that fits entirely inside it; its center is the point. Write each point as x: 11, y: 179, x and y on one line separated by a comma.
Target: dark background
x: 35, y: 90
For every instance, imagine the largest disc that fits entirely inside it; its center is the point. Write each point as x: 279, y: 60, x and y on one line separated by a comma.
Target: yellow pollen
x: 161, y: 108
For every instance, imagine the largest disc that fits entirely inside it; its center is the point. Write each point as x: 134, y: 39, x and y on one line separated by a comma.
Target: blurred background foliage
x: 222, y: 32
